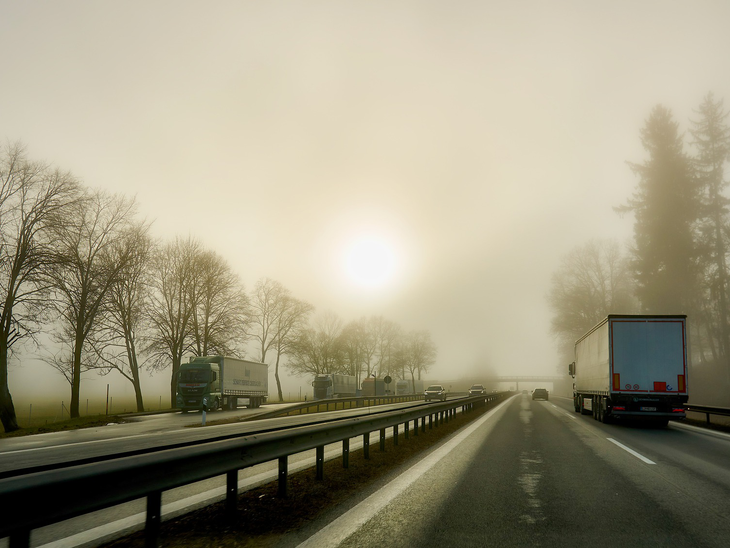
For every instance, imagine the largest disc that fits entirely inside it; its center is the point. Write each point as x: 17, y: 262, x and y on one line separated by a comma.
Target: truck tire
x: 582, y: 406
x: 216, y: 405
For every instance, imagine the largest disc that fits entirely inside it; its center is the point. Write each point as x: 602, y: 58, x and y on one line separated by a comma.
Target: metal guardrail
x: 334, y: 404
x: 32, y: 500
x: 707, y: 410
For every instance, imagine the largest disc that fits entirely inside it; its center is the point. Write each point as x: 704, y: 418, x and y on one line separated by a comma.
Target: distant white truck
x: 631, y: 366
x: 404, y: 387
x: 214, y: 382
x: 333, y: 385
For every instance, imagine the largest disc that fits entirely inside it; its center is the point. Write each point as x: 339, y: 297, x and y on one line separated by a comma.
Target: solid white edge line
x: 340, y: 529
x: 637, y: 455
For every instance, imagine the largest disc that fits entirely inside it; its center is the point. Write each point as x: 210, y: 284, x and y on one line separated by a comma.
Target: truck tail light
x: 616, y: 381
x: 680, y: 383
x: 678, y: 410
x: 619, y: 408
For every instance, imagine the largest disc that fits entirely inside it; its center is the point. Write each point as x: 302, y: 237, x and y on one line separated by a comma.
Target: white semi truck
x: 405, y: 387
x: 332, y: 385
x: 631, y: 366
x: 212, y: 382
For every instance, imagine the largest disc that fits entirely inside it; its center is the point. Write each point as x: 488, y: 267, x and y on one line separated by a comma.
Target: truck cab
x: 199, y: 387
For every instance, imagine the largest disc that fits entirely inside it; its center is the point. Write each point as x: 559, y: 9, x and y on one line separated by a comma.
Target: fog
x: 480, y: 141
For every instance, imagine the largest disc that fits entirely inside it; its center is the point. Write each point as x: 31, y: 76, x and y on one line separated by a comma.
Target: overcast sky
x: 478, y: 141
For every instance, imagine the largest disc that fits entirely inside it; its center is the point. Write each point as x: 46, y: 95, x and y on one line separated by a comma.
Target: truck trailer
x: 404, y: 387
x: 332, y: 385
x: 214, y: 382
x: 373, y: 387
x: 632, y: 367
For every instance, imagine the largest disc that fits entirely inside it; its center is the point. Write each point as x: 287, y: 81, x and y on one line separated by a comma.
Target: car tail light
x: 619, y: 408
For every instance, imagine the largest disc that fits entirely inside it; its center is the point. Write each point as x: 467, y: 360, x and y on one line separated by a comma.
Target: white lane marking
x: 564, y: 412
x: 637, y: 455
x: 356, y: 517
x: 699, y: 430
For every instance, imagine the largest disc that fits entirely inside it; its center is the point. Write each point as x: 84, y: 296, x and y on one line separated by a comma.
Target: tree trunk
x: 278, y: 381
x: 173, y: 382
x: 7, y: 409
x: 73, y: 409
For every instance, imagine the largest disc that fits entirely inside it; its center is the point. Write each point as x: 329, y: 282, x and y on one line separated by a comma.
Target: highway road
x: 535, y: 473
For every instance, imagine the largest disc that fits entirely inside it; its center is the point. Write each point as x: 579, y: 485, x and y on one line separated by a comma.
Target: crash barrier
x: 30, y: 501
x: 707, y: 410
x: 335, y: 404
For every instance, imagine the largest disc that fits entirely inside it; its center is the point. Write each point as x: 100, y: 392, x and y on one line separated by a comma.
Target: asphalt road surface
x: 535, y: 473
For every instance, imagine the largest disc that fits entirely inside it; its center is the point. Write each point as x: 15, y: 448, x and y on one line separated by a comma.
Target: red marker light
x: 619, y: 408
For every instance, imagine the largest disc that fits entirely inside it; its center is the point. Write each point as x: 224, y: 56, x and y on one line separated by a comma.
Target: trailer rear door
x: 649, y: 355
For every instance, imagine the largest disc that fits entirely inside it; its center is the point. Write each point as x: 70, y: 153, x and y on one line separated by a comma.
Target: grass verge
x: 69, y: 424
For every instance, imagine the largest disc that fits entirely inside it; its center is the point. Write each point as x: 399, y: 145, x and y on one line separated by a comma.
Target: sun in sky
x: 370, y: 261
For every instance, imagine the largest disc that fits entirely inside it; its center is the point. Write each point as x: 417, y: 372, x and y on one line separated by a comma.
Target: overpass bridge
x: 526, y: 379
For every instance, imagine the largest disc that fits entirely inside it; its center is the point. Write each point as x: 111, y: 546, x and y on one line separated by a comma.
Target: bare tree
x: 420, y: 353
x: 171, y: 307
x: 385, y: 335
x: 32, y: 198
x: 317, y: 350
x: 90, y: 256
x: 115, y: 339
x: 220, y: 314
x: 593, y: 280
x: 277, y: 321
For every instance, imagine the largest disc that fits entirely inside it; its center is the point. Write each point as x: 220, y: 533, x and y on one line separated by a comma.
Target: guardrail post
x: 405, y: 432
x: 320, y: 462
x: 20, y: 539
x: 382, y: 439
x: 366, y: 445
x: 231, y: 492
x: 283, y: 469
x: 415, y: 426
x: 395, y: 434
x: 346, y: 453
x: 423, y: 424
x: 152, y: 523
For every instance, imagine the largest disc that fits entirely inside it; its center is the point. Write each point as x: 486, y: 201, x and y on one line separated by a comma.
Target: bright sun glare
x: 370, y: 262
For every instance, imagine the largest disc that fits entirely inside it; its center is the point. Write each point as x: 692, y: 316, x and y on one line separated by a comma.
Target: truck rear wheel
x: 583, y: 407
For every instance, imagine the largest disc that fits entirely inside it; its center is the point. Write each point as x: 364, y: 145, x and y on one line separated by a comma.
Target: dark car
x: 477, y: 390
x: 435, y: 392
x: 539, y: 394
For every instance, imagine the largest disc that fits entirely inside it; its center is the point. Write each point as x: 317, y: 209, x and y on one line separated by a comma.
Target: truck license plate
x: 648, y: 408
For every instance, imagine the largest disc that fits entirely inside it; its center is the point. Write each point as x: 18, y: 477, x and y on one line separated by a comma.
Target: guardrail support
x: 231, y: 492
x: 406, y: 431
x: 346, y: 453
x: 382, y: 439
x: 283, y: 469
x: 320, y: 462
x: 366, y: 445
x: 152, y: 524
x: 415, y: 427
x: 395, y: 434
